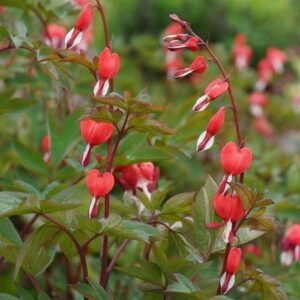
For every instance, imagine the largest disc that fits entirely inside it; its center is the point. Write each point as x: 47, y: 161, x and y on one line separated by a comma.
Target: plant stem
x: 117, y: 255
x: 225, y: 77
x: 76, y: 244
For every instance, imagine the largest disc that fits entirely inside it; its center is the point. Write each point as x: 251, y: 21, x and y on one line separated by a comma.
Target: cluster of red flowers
x: 143, y: 176
x: 290, y: 246
x: 235, y: 159
x: 266, y: 68
x: 273, y: 63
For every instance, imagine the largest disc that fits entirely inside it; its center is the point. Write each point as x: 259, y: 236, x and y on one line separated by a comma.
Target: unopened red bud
x: 216, y: 122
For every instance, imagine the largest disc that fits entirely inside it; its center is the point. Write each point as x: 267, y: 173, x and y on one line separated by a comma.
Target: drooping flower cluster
x: 235, y: 159
x: 143, y: 176
x: 290, y: 246
x: 241, y: 52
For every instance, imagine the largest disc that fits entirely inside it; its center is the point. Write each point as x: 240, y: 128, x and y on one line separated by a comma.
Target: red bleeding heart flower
x: 241, y: 53
x: 74, y: 36
x: 265, y: 73
x: 206, y: 139
x: 94, y: 133
x: 235, y: 160
x: 290, y: 246
x: 143, y: 176
x: 263, y: 127
x: 257, y: 101
x: 46, y: 149
x: 191, y: 43
x: 108, y: 67
x: 214, y: 90
x: 277, y: 58
x: 252, y: 249
x: 98, y: 185
x: 198, y: 66
x: 228, y: 278
x: 230, y: 209
x: 55, y: 35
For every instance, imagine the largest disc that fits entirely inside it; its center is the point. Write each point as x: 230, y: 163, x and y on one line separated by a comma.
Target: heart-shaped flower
x: 98, y: 185
x: 235, y: 160
x: 94, y: 133
x: 108, y: 67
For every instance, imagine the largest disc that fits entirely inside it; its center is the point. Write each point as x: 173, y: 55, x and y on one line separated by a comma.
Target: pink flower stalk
x: 214, y: 90
x: 74, y: 36
x: 215, y: 124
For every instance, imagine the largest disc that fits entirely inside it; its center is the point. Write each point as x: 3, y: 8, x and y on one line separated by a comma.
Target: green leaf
x: 30, y: 158
x: 12, y: 204
x: 153, y: 126
x: 64, y: 140
x: 244, y: 194
x: 24, y: 294
x: 7, y: 297
x: 244, y: 236
x: 147, y: 271
x: 43, y: 296
x: 38, y: 250
x: 8, y: 231
x: 14, y: 105
x: 180, y: 203
x: 183, y: 285
x: 92, y: 291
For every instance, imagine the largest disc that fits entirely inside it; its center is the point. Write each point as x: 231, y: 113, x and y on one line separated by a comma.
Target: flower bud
x: 198, y: 66
x: 84, y: 20
x: 213, y: 90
